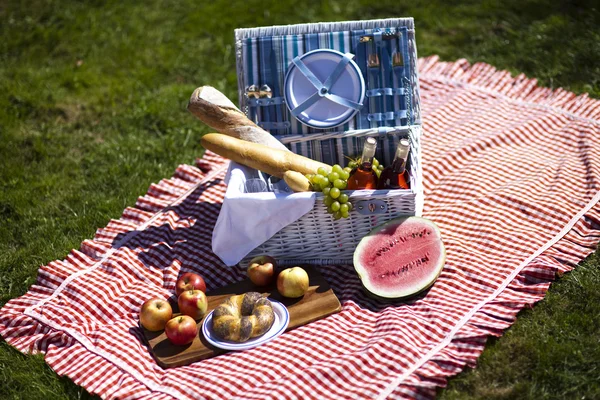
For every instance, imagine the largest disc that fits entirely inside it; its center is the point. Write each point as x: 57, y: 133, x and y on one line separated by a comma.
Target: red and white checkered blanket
x: 512, y: 178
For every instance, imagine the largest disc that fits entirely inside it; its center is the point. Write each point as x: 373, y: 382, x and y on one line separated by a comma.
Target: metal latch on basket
x: 370, y: 207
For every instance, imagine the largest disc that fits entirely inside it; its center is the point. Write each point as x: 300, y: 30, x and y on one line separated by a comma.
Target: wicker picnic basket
x: 390, y: 111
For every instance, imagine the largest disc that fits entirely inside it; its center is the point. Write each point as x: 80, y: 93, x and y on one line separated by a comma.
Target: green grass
x: 92, y: 110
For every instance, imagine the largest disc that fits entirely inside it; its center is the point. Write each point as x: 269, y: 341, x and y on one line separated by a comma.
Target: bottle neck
x: 366, y: 160
x: 399, y: 163
x: 399, y: 166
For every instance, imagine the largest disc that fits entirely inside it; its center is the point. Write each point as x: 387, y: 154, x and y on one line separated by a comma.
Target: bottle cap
x: 403, y: 149
x: 369, y: 148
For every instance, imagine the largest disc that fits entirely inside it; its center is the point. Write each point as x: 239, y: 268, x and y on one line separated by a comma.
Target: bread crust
x: 243, y: 317
x: 272, y: 161
x: 217, y: 111
x: 297, y: 182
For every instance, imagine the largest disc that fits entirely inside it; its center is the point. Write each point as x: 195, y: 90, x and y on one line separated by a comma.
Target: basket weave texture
x: 316, y: 237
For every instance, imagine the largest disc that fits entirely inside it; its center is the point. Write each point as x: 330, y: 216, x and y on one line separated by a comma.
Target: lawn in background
x: 92, y: 110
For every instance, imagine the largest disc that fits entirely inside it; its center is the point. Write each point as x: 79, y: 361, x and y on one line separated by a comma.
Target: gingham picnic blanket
x: 512, y: 178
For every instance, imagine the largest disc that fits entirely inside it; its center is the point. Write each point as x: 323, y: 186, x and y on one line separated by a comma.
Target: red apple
x: 193, y: 303
x: 189, y: 281
x: 181, y: 330
x: 261, y: 270
x: 292, y: 282
x: 155, y: 313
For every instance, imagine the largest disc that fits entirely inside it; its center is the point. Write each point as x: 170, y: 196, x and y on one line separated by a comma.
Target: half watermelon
x: 400, y: 258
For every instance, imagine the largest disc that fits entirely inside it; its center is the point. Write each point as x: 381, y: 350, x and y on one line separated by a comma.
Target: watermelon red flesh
x: 400, y: 258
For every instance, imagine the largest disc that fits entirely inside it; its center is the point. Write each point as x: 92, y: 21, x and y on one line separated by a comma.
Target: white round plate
x: 282, y: 318
x: 324, y: 113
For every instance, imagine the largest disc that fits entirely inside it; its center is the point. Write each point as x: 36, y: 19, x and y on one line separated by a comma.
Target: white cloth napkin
x: 247, y: 220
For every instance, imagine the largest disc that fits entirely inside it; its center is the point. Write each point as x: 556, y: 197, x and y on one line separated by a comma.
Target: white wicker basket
x: 316, y: 237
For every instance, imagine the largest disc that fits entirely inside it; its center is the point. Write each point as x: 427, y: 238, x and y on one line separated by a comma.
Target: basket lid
x: 374, y: 64
x: 324, y: 88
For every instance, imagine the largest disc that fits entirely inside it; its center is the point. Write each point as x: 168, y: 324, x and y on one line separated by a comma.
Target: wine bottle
x: 363, y: 176
x: 395, y: 176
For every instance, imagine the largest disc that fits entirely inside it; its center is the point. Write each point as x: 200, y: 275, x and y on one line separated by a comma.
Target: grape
x: 344, y: 214
x: 335, y: 206
x: 377, y: 172
x: 316, y: 187
x: 380, y: 167
x: 350, y: 207
x: 336, y: 177
x: 352, y: 165
x: 323, y: 181
x: 375, y: 162
x: 333, y: 176
x: 343, y: 208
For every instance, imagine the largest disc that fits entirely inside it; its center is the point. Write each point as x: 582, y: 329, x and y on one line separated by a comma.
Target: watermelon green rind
x: 400, y: 290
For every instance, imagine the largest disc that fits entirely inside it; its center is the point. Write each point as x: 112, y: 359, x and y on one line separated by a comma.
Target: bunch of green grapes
x: 377, y: 167
x: 331, y: 183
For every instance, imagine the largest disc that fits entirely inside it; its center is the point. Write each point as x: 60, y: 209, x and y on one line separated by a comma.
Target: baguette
x: 272, y: 161
x: 217, y: 111
x: 297, y: 182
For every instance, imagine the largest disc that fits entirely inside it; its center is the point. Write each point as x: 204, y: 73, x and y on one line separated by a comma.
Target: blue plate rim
x: 354, y: 66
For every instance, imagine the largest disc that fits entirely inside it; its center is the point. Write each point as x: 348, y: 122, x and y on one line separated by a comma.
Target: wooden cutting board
x: 318, y: 302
